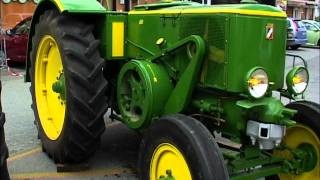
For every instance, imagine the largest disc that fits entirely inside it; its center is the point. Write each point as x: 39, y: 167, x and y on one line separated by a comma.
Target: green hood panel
x: 78, y: 6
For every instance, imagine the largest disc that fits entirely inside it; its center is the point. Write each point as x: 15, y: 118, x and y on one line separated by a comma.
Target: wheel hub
x: 167, y: 159
x: 59, y: 87
x: 306, y: 156
x: 302, y: 154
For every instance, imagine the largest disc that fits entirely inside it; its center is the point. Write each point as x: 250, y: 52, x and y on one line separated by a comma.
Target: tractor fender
x: 88, y: 7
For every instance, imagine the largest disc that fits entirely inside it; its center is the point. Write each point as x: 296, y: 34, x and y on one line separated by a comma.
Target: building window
x: 296, y: 13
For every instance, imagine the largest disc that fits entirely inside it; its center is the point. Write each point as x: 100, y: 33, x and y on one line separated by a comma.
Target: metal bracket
x: 180, y: 95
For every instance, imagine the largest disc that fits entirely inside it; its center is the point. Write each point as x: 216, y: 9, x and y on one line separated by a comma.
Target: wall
x: 14, y: 12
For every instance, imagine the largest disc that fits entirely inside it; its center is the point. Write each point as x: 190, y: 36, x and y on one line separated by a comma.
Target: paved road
x: 117, y: 156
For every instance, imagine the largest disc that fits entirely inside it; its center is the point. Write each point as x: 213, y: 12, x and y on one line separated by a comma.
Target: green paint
x: 59, y: 87
x: 253, y: 164
x: 268, y: 110
x: 180, y: 96
x: 258, y: 173
x: 289, y: 79
x: 168, y: 176
x: 197, y: 64
x: 304, y: 159
x: 143, y: 88
x: 307, y: 155
x: 77, y: 6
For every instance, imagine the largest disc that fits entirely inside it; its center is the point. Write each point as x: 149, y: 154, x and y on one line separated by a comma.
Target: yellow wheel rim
x: 48, y: 69
x: 295, y: 136
x: 168, y: 157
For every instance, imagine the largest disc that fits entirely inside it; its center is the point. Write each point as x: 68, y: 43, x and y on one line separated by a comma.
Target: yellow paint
x: 167, y: 156
x: 153, y: 74
x: 92, y: 173
x: 59, y: 4
x: 297, y: 80
x: 117, y: 39
x: 48, y: 66
x: 212, y: 11
x: 254, y: 82
x: 160, y: 41
x: 24, y: 154
x: 295, y: 136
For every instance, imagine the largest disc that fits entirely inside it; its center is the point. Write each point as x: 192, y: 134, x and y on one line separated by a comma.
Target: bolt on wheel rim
x: 167, y: 158
x: 48, y: 71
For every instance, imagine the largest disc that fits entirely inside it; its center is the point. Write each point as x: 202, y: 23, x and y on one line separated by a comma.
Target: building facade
x: 12, y: 12
x: 302, y: 9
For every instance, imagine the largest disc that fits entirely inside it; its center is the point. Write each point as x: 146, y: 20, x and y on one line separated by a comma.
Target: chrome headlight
x: 257, y: 82
x: 297, y: 80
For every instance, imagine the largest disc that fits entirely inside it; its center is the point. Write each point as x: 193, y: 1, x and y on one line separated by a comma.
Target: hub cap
x: 50, y: 87
x: 168, y: 160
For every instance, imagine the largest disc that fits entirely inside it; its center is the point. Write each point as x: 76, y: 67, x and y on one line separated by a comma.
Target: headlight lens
x: 297, y: 80
x: 257, y: 82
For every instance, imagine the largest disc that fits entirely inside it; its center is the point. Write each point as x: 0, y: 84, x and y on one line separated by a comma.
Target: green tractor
x: 196, y: 81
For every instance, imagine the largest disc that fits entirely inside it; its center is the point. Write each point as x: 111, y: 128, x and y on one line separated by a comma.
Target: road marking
x: 24, y: 154
x: 93, y: 173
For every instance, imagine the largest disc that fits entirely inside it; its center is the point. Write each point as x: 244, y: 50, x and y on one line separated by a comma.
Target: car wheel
x: 295, y: 47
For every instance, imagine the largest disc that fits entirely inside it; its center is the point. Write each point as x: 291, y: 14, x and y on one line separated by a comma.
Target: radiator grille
x: 210, y: 27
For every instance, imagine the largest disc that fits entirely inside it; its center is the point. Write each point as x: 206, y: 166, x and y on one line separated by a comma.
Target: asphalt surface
x: 117, y: 157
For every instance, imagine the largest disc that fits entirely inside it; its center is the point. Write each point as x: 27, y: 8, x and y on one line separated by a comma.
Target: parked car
x: 297, y: 34
x: 313, y: 32
x: 16, y: 40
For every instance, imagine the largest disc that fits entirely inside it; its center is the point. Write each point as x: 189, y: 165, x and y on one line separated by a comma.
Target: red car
x: 15, y: 41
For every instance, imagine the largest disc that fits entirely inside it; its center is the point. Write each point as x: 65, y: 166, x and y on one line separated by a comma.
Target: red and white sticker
x: 269, y: 31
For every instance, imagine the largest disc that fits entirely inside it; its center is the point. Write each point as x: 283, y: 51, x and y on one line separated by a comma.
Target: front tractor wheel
x: 181, y: 148
x: 67, y: 87
x: 303, y: 140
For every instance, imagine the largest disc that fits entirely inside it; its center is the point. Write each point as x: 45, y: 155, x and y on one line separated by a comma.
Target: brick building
x: 302, y: 9
x: 14, y: 11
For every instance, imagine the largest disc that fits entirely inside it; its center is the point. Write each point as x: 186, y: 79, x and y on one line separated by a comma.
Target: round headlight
x: 297, y: 80
x: 257, y: 82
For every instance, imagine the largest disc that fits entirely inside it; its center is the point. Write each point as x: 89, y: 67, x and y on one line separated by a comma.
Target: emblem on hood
x: 269, y: 31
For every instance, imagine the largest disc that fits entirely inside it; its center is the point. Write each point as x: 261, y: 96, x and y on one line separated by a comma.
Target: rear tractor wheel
x: 181, y: 148
x: 67, y: 87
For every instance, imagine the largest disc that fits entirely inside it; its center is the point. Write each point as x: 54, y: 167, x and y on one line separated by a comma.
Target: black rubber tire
x: 4, y: 174
x: 308, y: 114
x: 295, y: 47
x: 192, y: 139
x: 85, y: 87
